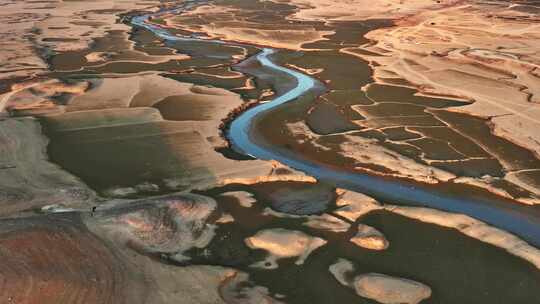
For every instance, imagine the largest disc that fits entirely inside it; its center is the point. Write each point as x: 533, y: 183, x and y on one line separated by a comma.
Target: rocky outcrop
x: 33, y: 30
x: 370, y: 238
x: 166, y: 226
x: 55, y: 259
x: 390, y: 290
x: 27, y: 179
x: 281, y: 243
x: 379, y: 287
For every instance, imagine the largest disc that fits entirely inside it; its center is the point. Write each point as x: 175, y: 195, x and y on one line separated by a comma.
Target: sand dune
x: 27, y: 179
x: 33, y: 30
x: 485, y: 53
x: 346, y: 10
x: 228, y: 23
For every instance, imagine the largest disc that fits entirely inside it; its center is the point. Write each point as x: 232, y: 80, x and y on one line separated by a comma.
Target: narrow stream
x: 521, y: 220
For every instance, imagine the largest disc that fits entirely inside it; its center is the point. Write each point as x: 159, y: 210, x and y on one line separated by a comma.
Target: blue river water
x: 521, y: 220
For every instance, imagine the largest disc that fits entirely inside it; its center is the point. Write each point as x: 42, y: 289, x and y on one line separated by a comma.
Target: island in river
x: 285, y: 151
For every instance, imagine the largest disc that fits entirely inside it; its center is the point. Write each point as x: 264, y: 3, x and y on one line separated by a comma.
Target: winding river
x: 521, y: 220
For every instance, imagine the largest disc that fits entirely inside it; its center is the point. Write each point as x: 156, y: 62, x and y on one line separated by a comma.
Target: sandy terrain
x: 143, y: 105
x: 379, y: 287
x: 106, y: 257
x: 235, y: 24
x: 490, y: 58
x: 368, y: 151
x: 92, y: 115
x: 282, y: 243
x: 489, y: 74
x: 27, y: 179
x: 485, y: 53
x: 174, y: 214
x: 370, y: 238
x: 355, y: 205
x: 347, y: 10
x: 33, y: 30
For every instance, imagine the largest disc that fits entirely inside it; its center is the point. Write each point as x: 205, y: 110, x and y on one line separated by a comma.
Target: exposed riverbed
x: 505, y: 214
x: 222, y: 152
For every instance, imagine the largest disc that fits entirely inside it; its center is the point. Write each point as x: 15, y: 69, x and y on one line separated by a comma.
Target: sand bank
x: 33, y: 30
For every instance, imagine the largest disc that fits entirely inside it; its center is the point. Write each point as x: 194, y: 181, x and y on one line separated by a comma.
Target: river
x: 505, y: 214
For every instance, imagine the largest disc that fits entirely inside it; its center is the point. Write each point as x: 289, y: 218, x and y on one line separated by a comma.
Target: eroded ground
x: 118, y: 184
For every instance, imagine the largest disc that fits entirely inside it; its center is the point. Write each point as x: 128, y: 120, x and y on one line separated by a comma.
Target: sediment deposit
x: 119, y: 182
